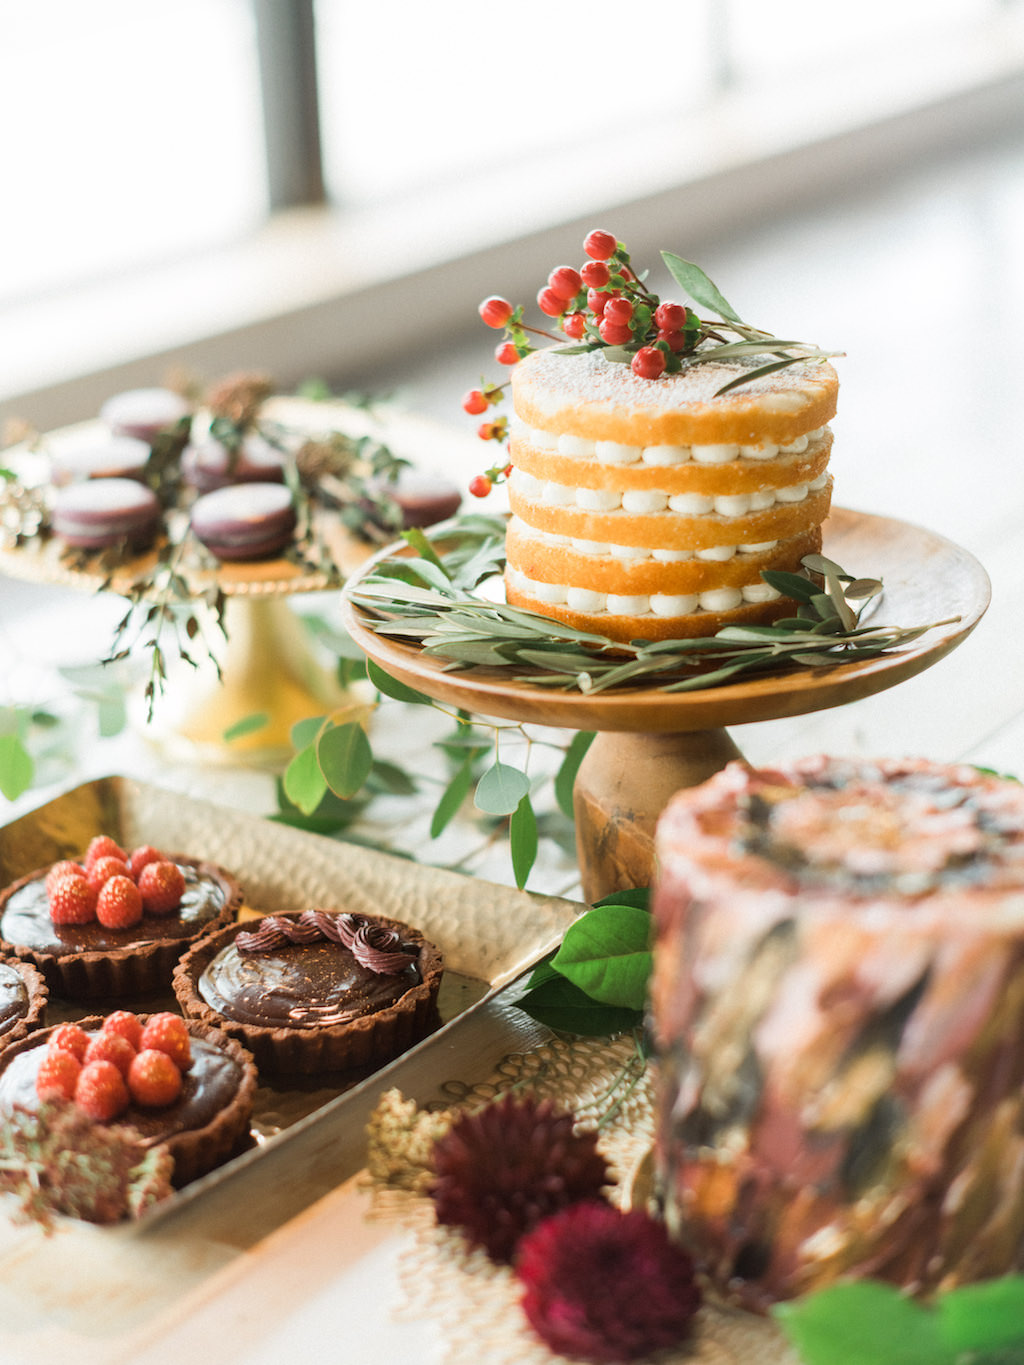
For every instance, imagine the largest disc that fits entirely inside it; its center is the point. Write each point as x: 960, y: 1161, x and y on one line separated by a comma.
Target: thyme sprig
x: 433, y: 600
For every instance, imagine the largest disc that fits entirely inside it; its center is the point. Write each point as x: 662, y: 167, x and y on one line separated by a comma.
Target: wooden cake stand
x: 652, y: 743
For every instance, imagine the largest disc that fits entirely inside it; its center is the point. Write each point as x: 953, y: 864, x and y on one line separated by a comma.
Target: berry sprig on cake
x: 659, y: 464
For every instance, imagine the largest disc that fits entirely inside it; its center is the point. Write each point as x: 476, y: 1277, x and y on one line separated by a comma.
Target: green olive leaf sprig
x: 433, y: 601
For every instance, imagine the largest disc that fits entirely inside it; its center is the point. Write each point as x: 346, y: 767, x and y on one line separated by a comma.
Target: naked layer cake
x: 837, y: 1008
x: 647, y: 508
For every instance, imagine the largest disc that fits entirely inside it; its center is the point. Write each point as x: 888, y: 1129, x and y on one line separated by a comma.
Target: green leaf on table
x: 562, y: 1006
x: 452, y: 798
x: 988, y: 1316
x: 246, y: 726
x: 392, y: 688
x: 303, y: 781
x: 522, y: 833
x: 565, y: 778
x: 865, y: 1323
x: 607, y: 954
x: 345, y: 757
x: 500, y: 789
x: 17, y: 770
x: 699, y: 287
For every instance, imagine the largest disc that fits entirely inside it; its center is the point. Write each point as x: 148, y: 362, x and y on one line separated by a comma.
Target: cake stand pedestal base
x: 623, y: 785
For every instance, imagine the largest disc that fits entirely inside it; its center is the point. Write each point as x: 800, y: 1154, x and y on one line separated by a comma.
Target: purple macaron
x: 245, y: 520
x: 96, y: 513
x: 208, y: 464
x: 106, y: 457
x: 144, y: 413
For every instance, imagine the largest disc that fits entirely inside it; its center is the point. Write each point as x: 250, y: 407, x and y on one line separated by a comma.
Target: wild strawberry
x: 141, y: 856
x: 72, y: 900
x: 69, y: 1038
x: 101, y: 1092
x: 648, y: 363
x: 126, y: 1025
x: 58, y: 1075
x: 495, y: 311
x: 479, y: 485
x: 103, y: 869
x: 161, y: 886
x: 153, y: 1078
x: 103, y: 846
x: 62, y: 869
x: 119, y: 904
x: 110, y: 1047
x: 599, y: 245
x: 168, y: 1033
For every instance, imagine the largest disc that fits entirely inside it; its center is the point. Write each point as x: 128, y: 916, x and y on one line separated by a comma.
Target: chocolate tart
x: 205, y: 1125
x: 89, y: 962
x: 23, y: 1000
x: 298, y: 992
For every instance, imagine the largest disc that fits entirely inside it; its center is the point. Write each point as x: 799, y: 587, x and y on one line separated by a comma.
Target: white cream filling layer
x: 637, y: 553
x: 612, y: 453
x: 648, y: 501
x: 657, y: 604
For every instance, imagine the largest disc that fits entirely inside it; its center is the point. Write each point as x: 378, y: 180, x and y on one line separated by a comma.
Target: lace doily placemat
x: 475, y: 1302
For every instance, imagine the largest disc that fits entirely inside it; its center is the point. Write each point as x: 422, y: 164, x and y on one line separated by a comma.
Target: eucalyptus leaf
x: 390, y: 779
x: 607, y: 954
x: 17, y: 768
x: 500, y: 789
x: 345, y: 757
x: 248, y: 725
x: 565, y: 778
x: 391, y: 687
x: 304, y: 732
x: 522, y: 832
x: 452, y: 798
x: 304, y: 782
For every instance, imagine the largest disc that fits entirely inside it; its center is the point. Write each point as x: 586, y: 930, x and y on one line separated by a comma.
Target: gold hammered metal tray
x: 489, y: 934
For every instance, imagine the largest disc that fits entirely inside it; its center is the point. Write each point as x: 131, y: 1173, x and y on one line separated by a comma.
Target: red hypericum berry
x: 506, y: 354
x: 101, y: 871
x: 670, y: 317
x: 618, y: 310
x: 495, y: 311
x: 141, y: 856
x: 119, y: 904
x: 550, y: 303
x: 161, y: 886
x: 101, y: 1092
x: 103, y: 846
x: 614, y: 333
x: 110, y: 1047
x: 480, y: 485
x: 507, y: 470
x: 648, y: 363
x: 125, y: 1025
x: 596, y: 301
x: 474, y: 402
x: 62, y: 869
x: 69, y: 1038
x: 153, y: 1079
x: 58, y: 1075
x: 565, y: 282
x: 72, y: 900
x: 574, y: 325
x: 599, y: 245
x: 168, y: 1033
x: 675, y: 341
x: 595, y: 274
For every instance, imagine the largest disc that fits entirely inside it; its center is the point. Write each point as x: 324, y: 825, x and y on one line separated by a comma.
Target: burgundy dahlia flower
x: 602, y: 1285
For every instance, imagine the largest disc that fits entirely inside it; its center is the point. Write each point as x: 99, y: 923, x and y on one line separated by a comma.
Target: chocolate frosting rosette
x: 837, y: 1009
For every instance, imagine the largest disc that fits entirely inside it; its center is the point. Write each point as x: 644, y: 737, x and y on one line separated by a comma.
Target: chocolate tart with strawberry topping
x: 23, y: 999
x: 90, y: 960
x: 315, y: 992
x: 208, y: 1120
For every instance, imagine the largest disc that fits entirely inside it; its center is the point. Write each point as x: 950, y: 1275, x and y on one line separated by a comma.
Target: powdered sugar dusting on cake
x: 589, y: 377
